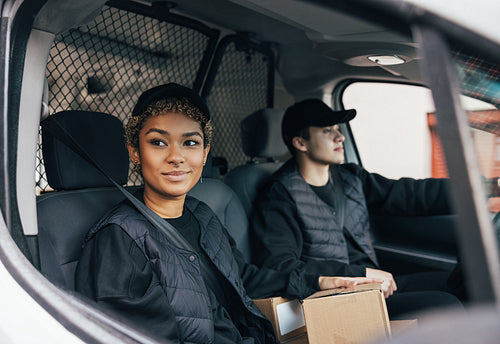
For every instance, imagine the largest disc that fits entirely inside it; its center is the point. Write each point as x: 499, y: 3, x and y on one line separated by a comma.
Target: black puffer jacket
x: 166, y: 294
x: 294, y: 230
x: 321, y: 224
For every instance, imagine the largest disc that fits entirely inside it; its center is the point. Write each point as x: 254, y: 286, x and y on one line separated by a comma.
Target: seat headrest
x: 261, y: 134
x: 100, y: 135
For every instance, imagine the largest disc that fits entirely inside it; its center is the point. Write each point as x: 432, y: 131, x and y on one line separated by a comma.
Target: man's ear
x: 134, y: 154
x: 299, y: 143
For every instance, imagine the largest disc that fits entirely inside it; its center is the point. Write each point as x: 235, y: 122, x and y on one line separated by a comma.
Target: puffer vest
x: 322, y: 234
x: 178, y: 270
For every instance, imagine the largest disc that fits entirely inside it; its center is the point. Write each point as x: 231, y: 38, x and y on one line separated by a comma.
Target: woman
x: 130, y: 267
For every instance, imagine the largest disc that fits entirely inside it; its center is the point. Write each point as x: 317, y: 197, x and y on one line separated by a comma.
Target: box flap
x: 290, y: 316
x: 357, y: 288
x: 286, y: 316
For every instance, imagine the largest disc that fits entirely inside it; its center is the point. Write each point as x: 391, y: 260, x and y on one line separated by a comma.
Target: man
x: 314, y: 214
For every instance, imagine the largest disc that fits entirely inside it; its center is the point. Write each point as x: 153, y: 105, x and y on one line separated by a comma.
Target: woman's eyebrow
x: 193, y: 133
x: 156, y: 130
x: 166, y: 133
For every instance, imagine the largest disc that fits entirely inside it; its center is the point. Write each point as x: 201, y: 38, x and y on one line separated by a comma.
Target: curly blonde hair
x: 162, y: 106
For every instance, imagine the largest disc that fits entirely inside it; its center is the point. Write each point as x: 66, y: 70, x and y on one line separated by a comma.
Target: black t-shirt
x: 224, y: 299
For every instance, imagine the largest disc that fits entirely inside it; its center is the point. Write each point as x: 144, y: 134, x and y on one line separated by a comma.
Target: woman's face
x: 171, y: 155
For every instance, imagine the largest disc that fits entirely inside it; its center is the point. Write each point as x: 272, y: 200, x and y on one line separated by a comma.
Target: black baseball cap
x: 311, y: 112
x: 172, y: 90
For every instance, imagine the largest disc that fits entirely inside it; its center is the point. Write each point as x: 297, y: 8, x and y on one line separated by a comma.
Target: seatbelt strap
x: 158, y: 222
x: 338, y: 188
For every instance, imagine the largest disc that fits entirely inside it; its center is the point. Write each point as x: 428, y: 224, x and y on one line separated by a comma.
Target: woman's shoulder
x: 123, y: 215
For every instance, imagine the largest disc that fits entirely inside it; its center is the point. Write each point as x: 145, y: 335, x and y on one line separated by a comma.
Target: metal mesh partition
x: 105, y: 65
x: 240, y: 82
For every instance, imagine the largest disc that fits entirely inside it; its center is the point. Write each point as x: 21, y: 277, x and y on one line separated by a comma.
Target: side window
x: 390, y: 129
x: 395, y: 130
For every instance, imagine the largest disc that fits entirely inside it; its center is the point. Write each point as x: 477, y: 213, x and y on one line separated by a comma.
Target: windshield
x: 480, y: 85
x: 478, y: 78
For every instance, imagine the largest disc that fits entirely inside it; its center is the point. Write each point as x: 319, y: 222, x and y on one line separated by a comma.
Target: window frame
x: 475, y: 230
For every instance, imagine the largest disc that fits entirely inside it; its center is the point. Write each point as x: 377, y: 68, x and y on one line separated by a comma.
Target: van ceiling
x: 273, y: 20
x: 313, y: 44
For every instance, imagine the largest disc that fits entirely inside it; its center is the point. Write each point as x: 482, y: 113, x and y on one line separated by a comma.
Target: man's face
x: 326, y: 145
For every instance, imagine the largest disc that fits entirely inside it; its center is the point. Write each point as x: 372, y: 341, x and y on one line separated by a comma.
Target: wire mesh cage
x: 105, y: 65
x: 241, y: 82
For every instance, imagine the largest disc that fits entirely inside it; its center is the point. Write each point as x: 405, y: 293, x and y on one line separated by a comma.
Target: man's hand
x: 388, y: 285
x: 345, y: 282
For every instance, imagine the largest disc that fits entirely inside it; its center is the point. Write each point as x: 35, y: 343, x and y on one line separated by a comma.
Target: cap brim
x: 335, y: 117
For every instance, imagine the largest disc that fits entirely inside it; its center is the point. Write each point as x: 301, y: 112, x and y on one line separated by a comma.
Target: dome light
x: 386, y: 60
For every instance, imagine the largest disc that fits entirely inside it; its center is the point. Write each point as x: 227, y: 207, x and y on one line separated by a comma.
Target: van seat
x: 262, y: 143
x: 82, y: 195
x: 224, y: 203
x: 228, y: 208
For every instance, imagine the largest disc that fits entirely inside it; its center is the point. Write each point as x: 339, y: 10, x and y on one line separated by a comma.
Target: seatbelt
x: 339, y: 197
x: 158, y: 222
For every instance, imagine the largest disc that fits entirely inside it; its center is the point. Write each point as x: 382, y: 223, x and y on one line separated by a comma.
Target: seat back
x: 262, y: 143
x: 64, y: 218
x: 82, y: 194
x: 227, y: 206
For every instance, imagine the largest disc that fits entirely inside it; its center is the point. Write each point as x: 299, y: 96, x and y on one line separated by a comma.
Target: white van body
x: 33, y: 310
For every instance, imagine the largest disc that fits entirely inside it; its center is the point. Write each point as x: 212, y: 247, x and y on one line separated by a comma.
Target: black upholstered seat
x: 81, y: 194
x: 262, y: 143
x: 227, y: 206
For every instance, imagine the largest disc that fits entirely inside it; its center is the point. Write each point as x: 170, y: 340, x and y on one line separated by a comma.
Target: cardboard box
x: 399, y: 326
x: 300, y: 339
x: 331, y: 316
x: 286, y: 316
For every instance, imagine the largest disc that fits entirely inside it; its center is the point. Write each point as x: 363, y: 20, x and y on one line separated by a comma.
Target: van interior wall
x: 76, y: 13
